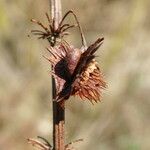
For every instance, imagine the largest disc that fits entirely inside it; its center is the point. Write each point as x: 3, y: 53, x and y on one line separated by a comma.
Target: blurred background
x: 122, y: 120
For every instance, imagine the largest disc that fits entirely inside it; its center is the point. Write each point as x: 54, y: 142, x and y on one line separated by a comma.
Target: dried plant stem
x: 58, y: 111
x: 56, y: 13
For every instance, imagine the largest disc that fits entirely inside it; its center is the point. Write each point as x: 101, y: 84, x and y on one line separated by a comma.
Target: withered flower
x: 51, y: 33
x: 76, y: 72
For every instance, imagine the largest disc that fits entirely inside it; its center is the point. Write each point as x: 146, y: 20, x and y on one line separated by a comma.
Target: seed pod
x: 77, y: 72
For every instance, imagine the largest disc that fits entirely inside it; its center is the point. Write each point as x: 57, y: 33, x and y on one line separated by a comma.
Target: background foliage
x: 121, y: 121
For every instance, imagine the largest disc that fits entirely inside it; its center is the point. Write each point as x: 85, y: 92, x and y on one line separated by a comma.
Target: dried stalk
x: 58, y: 111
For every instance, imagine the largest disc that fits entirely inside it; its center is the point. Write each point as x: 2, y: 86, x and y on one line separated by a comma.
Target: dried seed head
x: 53, y: 34
x: 77, y: 72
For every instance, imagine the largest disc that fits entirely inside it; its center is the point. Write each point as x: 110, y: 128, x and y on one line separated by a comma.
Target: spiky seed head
x: 77, y: 72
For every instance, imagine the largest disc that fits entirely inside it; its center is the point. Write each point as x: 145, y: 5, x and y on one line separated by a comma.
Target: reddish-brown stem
x: 58, y: 111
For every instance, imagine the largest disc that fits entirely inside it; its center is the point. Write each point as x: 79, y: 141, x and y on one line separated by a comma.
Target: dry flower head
x: 76, y: 72
x: 53, y: 34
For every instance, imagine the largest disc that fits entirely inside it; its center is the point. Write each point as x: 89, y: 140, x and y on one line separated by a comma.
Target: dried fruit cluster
x: 75, y: 70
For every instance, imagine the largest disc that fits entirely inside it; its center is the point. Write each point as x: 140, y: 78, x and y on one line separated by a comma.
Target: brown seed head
x: 77, y: 72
